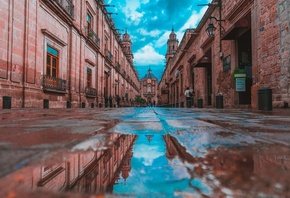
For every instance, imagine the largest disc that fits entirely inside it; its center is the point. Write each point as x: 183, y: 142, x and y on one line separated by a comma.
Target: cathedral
x: 149, y: 85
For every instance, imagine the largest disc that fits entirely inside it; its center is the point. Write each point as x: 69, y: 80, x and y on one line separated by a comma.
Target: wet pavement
x: 144, y: 152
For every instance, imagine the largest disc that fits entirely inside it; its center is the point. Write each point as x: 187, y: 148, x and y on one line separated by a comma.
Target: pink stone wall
x: 27, y: 27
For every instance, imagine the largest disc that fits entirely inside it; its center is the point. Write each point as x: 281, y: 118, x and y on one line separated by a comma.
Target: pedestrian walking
x: 188, y: 94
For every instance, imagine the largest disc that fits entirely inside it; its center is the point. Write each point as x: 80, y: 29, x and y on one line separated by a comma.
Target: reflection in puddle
x: 152, y: 172
x: 158, y: 165
x: 238, y: 171
x: 82, y: 172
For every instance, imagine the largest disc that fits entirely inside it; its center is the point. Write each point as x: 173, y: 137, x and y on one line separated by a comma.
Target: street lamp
x: 211, y: 29
x: 110, y: 13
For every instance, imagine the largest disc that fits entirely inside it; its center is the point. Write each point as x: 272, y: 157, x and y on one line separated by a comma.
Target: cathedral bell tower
x: 127, y: 45
x: 172, y: 44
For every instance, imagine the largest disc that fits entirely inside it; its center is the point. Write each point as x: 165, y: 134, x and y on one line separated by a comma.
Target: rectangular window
x: 52, y: 61
x: 89, y: 21
x: 106, y: 43
x: 116, y: 57
x: 89, y: 77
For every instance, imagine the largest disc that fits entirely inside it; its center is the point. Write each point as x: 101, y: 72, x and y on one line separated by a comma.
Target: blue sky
x: 149, y: 24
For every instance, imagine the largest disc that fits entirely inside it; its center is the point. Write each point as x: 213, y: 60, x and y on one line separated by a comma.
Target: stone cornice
x: 206, y: 43
x: 52, y: 36
x: 240, y: 9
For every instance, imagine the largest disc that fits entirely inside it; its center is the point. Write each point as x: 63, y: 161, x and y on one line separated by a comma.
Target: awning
x: 202, y: 64
x: 238, y: 29
x: 234, y: 32
x: 204, y: 61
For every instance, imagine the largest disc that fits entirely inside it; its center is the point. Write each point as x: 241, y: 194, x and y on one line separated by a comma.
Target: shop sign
x: 239, y: 73
x: 240, y: 84
x: 227, y: 63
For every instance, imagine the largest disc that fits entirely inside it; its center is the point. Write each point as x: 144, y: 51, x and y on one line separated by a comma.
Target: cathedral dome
x: 149, y: 74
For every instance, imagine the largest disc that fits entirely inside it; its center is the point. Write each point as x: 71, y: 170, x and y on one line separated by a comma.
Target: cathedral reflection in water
x: 88, y: 171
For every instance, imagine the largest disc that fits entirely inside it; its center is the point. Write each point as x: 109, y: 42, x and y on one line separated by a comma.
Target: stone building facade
x: 149, y: 88
x: 248, y: 51
x: 63, y: 53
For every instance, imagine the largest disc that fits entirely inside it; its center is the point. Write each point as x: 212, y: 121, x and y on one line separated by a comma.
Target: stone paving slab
x: 28, y: 135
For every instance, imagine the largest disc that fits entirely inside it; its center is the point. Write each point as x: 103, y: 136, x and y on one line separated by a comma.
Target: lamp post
x: 108, y: 5
x: 110, y: 13
x: 211, y: 29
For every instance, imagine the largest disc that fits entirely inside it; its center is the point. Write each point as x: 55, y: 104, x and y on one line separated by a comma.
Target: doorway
x: 209, y: 84
x: 245, y: 62
x: 106, y: 87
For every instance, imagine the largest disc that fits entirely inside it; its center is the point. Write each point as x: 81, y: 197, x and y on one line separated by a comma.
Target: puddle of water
x: 156, y: 165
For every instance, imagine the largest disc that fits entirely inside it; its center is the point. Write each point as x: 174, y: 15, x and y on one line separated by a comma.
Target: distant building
x: 149, y: 84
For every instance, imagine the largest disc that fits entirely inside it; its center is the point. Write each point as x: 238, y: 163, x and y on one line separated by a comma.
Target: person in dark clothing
x: 106, y: 101
x: 111, y: 101
x: 118, y: 100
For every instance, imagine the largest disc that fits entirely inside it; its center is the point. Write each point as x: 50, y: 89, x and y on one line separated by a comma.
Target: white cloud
x: 163, y: 39
x: 193, y: 20
x: 142, y: 39
x: 130, y: 10
x: 147, y: 153
x: 148, y: 56
x: 134, y: 17
x: 152, y: 33
x: 154, y: 18
x: 133, y: 38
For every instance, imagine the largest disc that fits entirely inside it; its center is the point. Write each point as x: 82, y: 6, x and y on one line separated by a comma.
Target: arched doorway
x: 149, y: 100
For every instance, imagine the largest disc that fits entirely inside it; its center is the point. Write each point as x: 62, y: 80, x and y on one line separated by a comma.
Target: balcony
x: 65, y: 5
x: 90, y: 92
x: 54, y: 84
x: 124, y: 74
x: 93, y: 36
x: 109, y: 55
x: 118, y: 66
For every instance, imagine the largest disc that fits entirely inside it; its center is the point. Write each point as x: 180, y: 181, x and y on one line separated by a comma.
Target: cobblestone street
x: 144, y: 152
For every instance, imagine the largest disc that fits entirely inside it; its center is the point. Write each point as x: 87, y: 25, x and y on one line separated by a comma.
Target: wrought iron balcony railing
x: 124, y: 74
x: 53, y: 84
x: 118, y: 66
x: 66, y: 5
x: 93, y: 36
x: 109, y: 55
x: 90, y: 92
